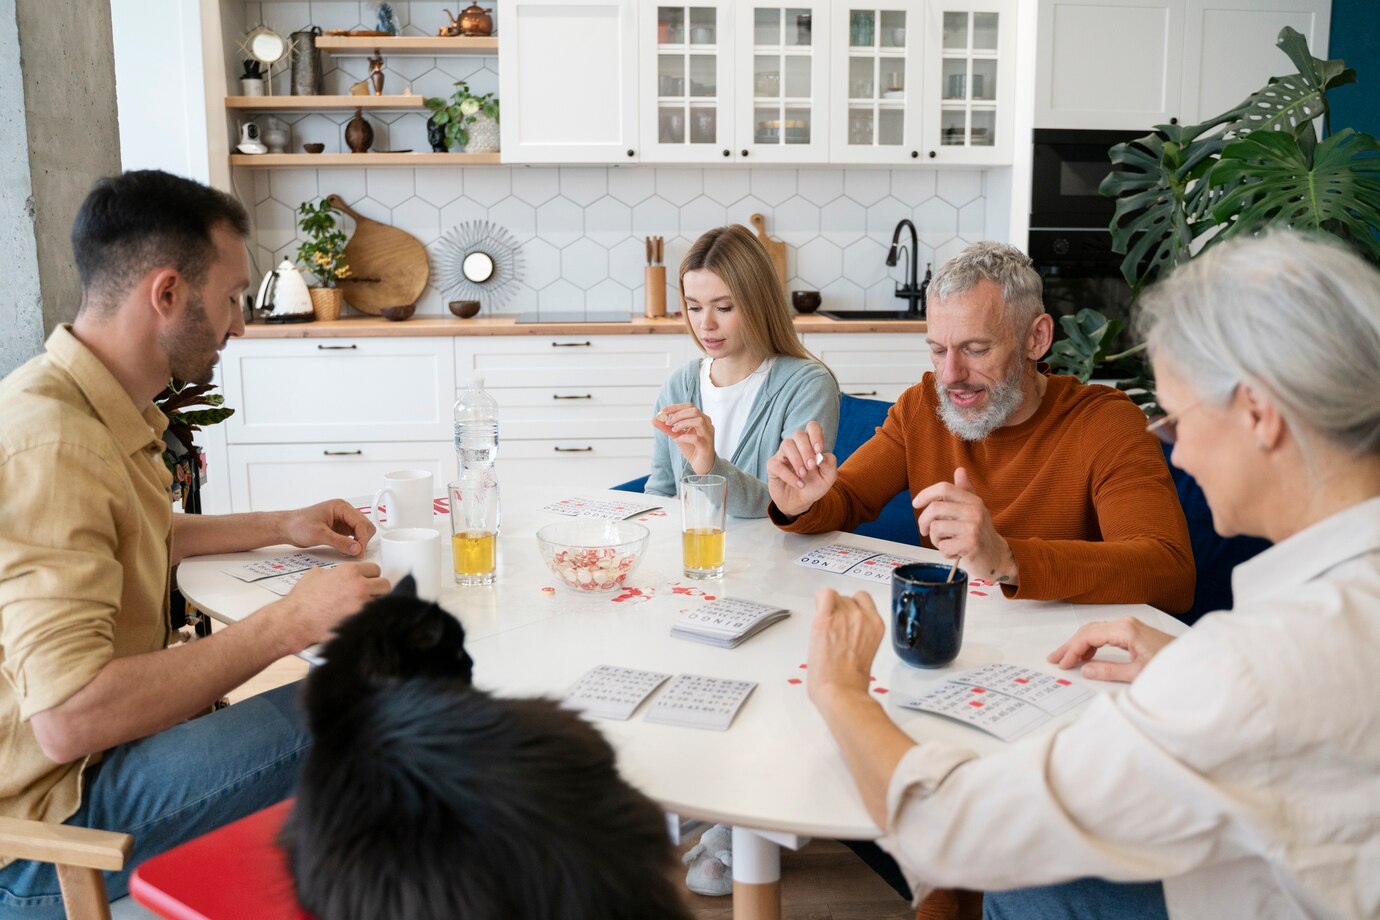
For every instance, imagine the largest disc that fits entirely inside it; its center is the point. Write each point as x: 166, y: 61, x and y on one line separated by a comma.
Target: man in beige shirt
x: 94, y: 705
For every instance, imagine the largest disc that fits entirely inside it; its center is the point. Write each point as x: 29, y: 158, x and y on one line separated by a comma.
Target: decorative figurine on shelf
x: 476, y: 21
x: 436, y: 136
x: 252, y: 82
x: 376, y: 73
x: 359, y: 134
x: 451, y: 30
x: 359, y: 89
x: 388, y: 23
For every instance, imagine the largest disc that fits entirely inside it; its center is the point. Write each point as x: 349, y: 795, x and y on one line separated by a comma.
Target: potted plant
x: 467, y: 121
x: 323, y: 253
x: 1185, y: 188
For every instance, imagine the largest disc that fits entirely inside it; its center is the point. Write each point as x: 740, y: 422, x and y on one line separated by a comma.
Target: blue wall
x: 1355, y: 39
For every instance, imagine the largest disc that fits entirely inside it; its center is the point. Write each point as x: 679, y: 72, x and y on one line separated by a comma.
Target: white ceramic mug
x: 415, y: 551
x: 408, y: 504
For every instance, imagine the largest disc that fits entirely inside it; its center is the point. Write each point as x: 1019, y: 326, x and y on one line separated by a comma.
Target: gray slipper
x: 710, y: 861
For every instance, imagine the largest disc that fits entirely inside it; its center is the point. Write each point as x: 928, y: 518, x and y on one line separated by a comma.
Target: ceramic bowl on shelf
x: 314, y: 148
x: 591, y: 555
x: 463, y: 308
x: 805, y: 301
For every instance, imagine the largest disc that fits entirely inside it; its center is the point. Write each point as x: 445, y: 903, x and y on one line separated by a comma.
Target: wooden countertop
x: 370, y: 326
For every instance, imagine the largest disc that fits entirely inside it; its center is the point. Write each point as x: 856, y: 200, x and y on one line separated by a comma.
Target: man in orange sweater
x: 1050, y: 487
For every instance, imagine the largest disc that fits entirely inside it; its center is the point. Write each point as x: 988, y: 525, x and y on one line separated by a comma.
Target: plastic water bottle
x: 476, y: 428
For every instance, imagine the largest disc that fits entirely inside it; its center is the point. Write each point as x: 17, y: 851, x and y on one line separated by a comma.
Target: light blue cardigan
x: 796, y: 390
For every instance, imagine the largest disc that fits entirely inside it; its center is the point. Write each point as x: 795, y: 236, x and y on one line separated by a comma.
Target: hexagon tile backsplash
x: 581, y: 228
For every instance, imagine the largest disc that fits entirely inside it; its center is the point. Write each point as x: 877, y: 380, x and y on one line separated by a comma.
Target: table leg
x: 756, y: 876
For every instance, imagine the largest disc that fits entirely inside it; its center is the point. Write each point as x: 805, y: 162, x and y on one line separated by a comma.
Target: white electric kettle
x: 284, y: 295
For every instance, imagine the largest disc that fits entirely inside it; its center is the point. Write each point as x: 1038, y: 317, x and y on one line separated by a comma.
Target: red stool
x: 235, y: 872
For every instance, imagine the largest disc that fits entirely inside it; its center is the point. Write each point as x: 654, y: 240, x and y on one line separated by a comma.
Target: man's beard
x: 1003, y: 399
x: 191, y: 346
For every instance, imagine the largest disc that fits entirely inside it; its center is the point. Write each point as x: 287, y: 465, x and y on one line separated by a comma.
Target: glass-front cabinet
x: 969, y: 50
x: 687, y: 82
x: 876, y: 82
x: 782, y: 94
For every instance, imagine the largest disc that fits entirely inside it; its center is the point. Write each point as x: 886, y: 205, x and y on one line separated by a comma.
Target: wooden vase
x: 325, y: 303
x: 359, y: 134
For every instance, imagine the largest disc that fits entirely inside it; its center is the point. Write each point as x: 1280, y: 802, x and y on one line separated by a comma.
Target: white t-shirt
x: 728, y: 407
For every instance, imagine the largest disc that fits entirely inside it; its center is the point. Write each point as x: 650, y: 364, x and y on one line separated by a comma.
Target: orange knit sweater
x: 1080, y: 491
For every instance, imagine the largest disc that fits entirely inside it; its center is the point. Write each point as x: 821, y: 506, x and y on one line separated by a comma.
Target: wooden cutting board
x: 388, y: 267
x: 775, y: 248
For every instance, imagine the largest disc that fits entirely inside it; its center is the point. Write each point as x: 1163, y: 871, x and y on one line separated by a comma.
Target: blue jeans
x: 174, y: 786
x: 1083, y: 899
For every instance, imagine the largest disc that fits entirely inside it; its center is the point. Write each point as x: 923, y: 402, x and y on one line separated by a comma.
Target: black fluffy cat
x: 423, y: 798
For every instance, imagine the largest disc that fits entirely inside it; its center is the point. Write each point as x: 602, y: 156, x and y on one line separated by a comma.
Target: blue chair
x: 633, y: 485
x: 1213, y: 555
x: 859, y: 420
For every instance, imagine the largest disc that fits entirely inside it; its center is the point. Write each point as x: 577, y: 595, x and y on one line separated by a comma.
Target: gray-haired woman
x: 1242, y: 767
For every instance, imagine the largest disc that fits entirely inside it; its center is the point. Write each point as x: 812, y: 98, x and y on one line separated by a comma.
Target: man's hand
x: 334, y: 523
x: 692, y: 431
x: 843, y: 642
x: 795, y: 478
x: 958, y: 524
x: 1143, y: 642
x: 324, y: 597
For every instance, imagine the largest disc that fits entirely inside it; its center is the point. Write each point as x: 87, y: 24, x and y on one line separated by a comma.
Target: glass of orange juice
x: 474, y: 522
x: 703, y: 508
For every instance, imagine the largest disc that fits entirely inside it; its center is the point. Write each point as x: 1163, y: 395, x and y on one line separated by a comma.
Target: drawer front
x: 295, y: 391
x: 589, y: 463
x: 271, y: 477
x: 569, y: 360
x: 873, y: 366
x: 574, y: 412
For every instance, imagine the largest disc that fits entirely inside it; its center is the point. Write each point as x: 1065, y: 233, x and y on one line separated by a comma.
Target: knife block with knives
x: 654, y: 291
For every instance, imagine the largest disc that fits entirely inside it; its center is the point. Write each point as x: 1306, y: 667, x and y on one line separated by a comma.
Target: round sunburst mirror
x: 479, y: 260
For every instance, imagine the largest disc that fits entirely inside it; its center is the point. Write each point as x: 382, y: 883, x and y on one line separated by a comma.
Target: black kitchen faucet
x: 913, y: 291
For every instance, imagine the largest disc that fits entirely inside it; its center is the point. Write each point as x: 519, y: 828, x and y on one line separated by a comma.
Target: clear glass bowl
x: 592, y: 556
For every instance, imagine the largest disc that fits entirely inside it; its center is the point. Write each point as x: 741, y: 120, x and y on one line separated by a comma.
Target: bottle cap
x: 474, y: 383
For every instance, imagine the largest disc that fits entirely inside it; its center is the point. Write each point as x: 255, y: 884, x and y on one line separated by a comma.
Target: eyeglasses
x: 1166, y: 427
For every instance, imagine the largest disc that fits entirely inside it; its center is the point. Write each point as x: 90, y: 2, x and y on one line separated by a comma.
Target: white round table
x: 775, y: 775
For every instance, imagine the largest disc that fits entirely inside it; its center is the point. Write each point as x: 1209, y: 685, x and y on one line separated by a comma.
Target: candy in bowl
x: 592, y: 555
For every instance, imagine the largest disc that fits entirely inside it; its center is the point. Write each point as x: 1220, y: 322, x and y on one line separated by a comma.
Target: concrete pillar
x: 59, y: 133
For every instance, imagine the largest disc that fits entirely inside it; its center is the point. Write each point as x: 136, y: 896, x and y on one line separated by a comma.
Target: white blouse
x: 1242, y: 767
x: 729, y: 407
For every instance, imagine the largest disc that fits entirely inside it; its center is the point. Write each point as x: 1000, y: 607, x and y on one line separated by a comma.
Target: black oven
x: 1069, y: 240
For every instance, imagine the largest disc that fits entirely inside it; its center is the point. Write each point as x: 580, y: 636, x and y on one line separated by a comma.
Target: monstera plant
x: 1185, y: 188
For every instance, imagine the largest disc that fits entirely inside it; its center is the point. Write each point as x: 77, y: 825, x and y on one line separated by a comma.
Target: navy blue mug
x: 927, y: 613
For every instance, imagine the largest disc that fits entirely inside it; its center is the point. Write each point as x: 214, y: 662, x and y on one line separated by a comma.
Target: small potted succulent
x: 323, y: 253
x: 465, y: 121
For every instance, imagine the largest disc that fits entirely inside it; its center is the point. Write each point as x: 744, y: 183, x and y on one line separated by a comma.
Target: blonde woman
x: 727, y: 412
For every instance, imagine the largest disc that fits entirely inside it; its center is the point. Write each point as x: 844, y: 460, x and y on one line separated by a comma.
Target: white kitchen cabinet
x: 877, y: 77
x: 783, y: 86
x: 574, y: 409
x: 687, y: 78
x: 316, y: 390
x: 569, y: 80
x: 1132, y: 64
x: 872, y: 365
x: 272, y: 477
x: 969, y: 82
x: 1229, y: 48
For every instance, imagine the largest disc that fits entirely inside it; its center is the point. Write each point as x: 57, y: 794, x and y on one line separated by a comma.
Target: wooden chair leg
x: 83, y: 893
x: 950, y: 904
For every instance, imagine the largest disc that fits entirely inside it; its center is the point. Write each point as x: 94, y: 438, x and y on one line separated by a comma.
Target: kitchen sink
x: 867, y: 315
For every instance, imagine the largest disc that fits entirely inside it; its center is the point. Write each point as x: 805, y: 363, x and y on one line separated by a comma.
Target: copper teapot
x: 474, y: 20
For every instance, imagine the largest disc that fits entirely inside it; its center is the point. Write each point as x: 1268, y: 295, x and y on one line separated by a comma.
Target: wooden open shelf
x: 405, y: 44
x: 363, y: 159
x: 321, y: 103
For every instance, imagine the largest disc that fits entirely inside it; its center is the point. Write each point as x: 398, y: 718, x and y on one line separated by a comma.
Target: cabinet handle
x: 571, y: 344
x: 868, y: 393
x: 745, y: 153
x: 343, y: 453
x: 573, y: 450
x: 337, y: 347
x: 915, y: 154
x: 631, y: 152
x: 727, y: 152
x: 932, y: 154
x: 586, y: 396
